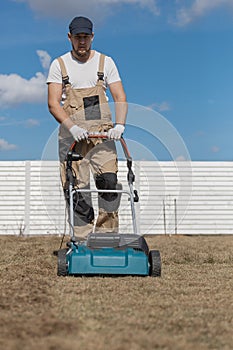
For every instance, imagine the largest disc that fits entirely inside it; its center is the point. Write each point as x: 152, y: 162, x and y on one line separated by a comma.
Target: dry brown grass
x: 190, y: 307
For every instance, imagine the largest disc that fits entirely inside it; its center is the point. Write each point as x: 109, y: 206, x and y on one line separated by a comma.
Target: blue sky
x: 174, y: 57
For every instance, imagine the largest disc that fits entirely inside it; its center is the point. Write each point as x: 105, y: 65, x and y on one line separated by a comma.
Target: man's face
x: 81, y: 44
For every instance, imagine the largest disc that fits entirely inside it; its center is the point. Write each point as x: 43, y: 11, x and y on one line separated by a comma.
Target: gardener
x: 77, y: 84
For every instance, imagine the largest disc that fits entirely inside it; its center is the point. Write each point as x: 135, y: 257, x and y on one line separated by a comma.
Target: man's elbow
x: 120, y: 97
x: 52, y: 107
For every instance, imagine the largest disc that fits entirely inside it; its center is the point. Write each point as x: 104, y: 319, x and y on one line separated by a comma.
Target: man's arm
x: 119, y: 97
x: 54, y: 104
x: 55, y: 108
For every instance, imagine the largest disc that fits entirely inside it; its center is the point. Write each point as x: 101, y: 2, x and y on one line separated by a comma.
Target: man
x: 77, y: 84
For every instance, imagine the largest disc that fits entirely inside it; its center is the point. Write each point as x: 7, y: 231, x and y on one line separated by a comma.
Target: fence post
x: 175, y: 211
x: 164, y: 218
x: 27, y: 197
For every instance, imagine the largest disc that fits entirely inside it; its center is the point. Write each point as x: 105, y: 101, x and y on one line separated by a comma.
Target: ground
x: 189, y: 307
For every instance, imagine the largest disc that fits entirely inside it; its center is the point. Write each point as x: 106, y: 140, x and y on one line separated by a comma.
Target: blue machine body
x: 83, y: 260
x: 103, y: 253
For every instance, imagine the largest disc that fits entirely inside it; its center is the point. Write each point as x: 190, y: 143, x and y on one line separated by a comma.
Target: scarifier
x: 106, y: 253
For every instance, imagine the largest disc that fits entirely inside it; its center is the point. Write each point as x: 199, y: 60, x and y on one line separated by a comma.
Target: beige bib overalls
x: 89, y: 109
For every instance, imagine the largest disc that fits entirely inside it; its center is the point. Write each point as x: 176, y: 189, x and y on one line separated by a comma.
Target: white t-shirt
x: 83, y: 75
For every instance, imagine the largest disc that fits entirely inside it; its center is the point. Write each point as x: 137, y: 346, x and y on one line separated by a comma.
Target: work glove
x: 78, y: 133
x: 116, y: 132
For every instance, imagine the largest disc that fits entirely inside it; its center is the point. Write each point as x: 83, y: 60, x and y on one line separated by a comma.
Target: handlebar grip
x: 104, y: 135
x: 95, y: 135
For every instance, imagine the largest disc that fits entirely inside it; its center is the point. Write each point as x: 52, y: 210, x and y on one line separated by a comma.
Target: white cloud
x: 215, y: 149
x: 164, y: 106
x: 6, y: 146
x: 200, y: 133
x: 45, y: 58
x: 161, y: 107
x: 186, y: 15
x: 97, y: 10
x: 15, y: 90
x: 29, y: 123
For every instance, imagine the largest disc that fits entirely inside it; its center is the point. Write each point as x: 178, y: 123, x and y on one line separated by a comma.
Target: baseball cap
x: 81, y: 25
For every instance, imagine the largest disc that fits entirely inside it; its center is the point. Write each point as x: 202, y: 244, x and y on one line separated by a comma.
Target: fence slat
x: 194, y: 198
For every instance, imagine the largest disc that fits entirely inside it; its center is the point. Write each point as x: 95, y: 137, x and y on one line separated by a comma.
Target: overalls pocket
x: 92, y: 107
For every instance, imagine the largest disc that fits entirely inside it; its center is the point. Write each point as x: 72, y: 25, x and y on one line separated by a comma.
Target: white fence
x: 181, y: 197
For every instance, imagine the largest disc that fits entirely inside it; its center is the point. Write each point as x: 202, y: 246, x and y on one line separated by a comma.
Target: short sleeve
x: 54, y: 75
x: 112, y: 74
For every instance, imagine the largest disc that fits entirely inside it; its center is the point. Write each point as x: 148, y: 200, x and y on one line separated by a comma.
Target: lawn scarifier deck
x: 106, y: 253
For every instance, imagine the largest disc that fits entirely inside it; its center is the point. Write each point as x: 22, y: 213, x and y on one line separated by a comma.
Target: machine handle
x: 104, y: 135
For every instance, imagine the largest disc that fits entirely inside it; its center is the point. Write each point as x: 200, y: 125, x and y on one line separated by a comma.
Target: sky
x: 175, y: 59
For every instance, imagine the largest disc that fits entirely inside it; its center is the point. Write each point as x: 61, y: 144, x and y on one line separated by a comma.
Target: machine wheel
x: 61, y: 262
x: 155, y: 263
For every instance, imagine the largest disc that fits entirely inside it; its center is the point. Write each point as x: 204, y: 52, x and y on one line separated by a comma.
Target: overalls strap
x: 65, y: 77
x: 100, y: 72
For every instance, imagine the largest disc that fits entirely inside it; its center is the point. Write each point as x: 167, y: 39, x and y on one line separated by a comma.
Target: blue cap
x: 81, y: 25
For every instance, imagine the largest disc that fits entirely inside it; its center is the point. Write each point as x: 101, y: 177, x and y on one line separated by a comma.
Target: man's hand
x: 116, y: 132
x: 78, y: 133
